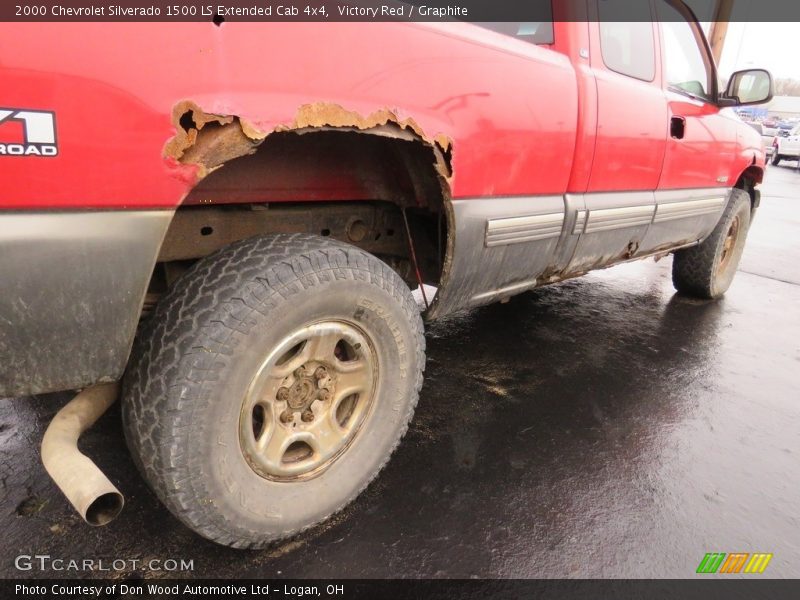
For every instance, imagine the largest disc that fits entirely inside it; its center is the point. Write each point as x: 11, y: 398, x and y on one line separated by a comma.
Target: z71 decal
x: 38, y: 132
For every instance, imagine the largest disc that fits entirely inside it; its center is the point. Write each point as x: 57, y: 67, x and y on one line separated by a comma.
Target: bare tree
x: 787, y: 87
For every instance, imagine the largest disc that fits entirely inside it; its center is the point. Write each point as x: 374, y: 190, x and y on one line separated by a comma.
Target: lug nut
x: 307, y: 416
x: 300, y: 372
x: 320, y: 373
x: 283, y: 394
x: 324, y: 395
x: 287, y: 416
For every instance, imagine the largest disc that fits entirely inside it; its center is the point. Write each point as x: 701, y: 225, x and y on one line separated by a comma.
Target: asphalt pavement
x: 602, y: 427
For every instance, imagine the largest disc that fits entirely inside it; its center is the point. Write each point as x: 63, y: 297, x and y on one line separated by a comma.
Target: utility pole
x: 719, y: 27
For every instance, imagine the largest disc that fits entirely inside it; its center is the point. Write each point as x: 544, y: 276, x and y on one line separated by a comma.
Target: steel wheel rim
x: 308, y: 401
x: 729, y: 245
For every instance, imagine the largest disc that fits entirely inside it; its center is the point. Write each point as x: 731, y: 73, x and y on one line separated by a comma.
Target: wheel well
x: 357, y: 186
x: 748, y: 180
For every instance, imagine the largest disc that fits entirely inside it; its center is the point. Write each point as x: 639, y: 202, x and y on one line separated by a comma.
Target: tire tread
x: 693, y: 269
x: 213, y: 302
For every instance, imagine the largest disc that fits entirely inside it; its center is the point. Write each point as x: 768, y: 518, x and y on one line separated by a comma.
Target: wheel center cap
x: 301, y: 394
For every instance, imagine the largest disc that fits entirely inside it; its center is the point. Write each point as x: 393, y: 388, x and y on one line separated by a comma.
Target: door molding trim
x: 516, y: 230
x: 501, y: 246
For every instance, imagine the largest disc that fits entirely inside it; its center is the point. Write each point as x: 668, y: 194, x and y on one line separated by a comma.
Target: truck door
x: 618, y: 206
x: 701, y: 146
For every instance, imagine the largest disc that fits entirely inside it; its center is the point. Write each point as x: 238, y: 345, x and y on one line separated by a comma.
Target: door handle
x: 677, y: 127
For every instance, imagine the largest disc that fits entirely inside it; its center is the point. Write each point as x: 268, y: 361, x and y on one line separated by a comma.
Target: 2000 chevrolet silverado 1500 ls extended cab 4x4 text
x: 229, y: 221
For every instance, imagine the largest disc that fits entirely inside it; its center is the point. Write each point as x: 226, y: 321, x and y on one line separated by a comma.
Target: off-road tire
x: 194, y: 357
x: 696, y: 271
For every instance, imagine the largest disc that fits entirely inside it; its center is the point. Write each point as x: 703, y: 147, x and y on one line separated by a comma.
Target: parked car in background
x: 786, y: 147
x: 770, y: 129
x: 766, y: 137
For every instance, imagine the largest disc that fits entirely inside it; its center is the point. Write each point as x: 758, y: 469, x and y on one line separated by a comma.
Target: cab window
x: 628, y: 47
x: 539, y: 32
x: 686, y: 64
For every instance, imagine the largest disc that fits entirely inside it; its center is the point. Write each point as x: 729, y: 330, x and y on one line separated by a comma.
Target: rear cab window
x: 534, y: 32
x: 628, y: 47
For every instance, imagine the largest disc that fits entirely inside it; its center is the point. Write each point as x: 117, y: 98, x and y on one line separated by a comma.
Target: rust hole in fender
x: 209, y: 140
x: 324, y: 153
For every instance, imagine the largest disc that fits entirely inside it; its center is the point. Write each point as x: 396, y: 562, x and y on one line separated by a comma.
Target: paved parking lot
x: 603, y: 427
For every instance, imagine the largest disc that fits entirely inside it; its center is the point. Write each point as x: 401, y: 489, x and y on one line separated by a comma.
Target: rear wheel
x: 271, y: 385
x: 707, y: 270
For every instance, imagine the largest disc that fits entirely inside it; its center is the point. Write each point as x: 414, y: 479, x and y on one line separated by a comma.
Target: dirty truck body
x: 248, y: 206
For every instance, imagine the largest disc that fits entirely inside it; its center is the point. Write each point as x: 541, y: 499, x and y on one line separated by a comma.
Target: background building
x: 784, y: 107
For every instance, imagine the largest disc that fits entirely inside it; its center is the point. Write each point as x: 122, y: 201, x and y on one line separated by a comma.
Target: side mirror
x: 751, y: 86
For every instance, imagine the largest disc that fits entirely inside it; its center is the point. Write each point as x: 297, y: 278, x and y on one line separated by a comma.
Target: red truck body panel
x: 510, y: 108
x: 556, y: 163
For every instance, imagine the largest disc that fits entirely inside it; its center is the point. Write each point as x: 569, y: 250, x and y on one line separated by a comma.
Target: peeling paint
x: 209, y: 140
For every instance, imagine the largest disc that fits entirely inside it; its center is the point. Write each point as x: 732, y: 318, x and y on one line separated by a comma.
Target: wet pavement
x: 603, y: 427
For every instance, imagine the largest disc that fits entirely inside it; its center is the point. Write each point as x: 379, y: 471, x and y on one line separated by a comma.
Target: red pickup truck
x: 229, y: 221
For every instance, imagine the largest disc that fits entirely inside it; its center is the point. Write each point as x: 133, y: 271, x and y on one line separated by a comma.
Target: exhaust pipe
x: 84, y: 485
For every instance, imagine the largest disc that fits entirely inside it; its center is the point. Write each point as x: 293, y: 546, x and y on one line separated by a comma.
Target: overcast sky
x: 773, y: 46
